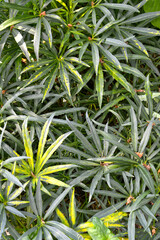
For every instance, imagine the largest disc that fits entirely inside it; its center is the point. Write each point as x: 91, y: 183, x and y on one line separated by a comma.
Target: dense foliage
x: 79, y: 119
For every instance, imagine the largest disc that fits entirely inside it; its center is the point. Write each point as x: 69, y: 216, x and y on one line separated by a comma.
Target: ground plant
x: 79, y: 119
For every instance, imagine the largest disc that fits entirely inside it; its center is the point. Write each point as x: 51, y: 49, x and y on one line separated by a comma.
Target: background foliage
x: 79, y: 119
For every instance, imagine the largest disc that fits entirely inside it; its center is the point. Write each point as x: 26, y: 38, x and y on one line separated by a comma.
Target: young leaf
x: 27, y: 144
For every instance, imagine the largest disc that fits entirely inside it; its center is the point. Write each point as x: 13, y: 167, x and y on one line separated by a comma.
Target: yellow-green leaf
x: 62, y: 217
x: 27, y: 144
x: 51, y: 150
x: 54, y: 181
x: 72, y: 209
x: 114, y: 217
x: 65, y: 78
x: 56, y: 168
x: 42, y: 141
x: 72, y: 69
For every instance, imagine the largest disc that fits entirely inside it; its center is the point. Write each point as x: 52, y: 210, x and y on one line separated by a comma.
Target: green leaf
x: 64, y: 40
x: 12, y: 21
x: 65, y: 78
x: 57, y: 233
x: 56, y: 202
x: 110, y: 57
x: 3, y: 41
x: 3, y: 221
x: 73, y: 70
x: 145, y: 138
x: 48, y: 30
x: 83, y: 139
x: 147, y: 178
x: 134, y: 129
x: 38, y: 74
x: 143, y: 31
x: 136, y: 203
x: 27, y: 233
x: 39, y: 235
x: 131, y: 225
x: 82, y: 50
x: 109, y: 105
x: 149, y: 97
x: 49, y: 82
x: 100, y: 85
x: 95, y: 56
x: 94, y: 134
x: 19, y: 39
x: 99, y: 231
x: 32, y: 201
x: 142, y: 17
x: 36, y: 64
x: 17, y: 192
x: 14, y: 211
x: 11, y: 177
x: 39, y: 199
x: 94, y: 182
x: 133, y: 71
x: 142, y: 220
x: 47, y: 234
x: 111, y: 138
x: 154, y: 210
x: 153, y: 6
x: 36, y: 41
x: 116, y: 42
x: 118, y: 77
x: 14, y: 6
x: 110, y: 210
x: 121, y: 7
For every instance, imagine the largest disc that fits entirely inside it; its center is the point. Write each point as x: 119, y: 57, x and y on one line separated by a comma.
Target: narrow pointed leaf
x: 19, y: 39
x: 65, y: 78
x: 100, y: 84
x: 73, y: 70
x: 134, y: 129
x: 14, y: 211
x: 43, y: 139
x: 147, y: 178
x: 145, y: 138
x: 94, y: 134
x: 39, y: 199
x: 149, y: 97
x: 72, y: 208
x: 118, y: 77
x: 94, y: 183
x: 11, y: 177
x: 37, y: 36
x: 54, y: 181
x: 48, y: 30
x: 27, y: 144
x: 121, y: 6
x: 32, y: 201
x: 52, y: 149
x: 95, y: 56
x: 56, y: 202
x: 62, y: 217
x: 131, y: 225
